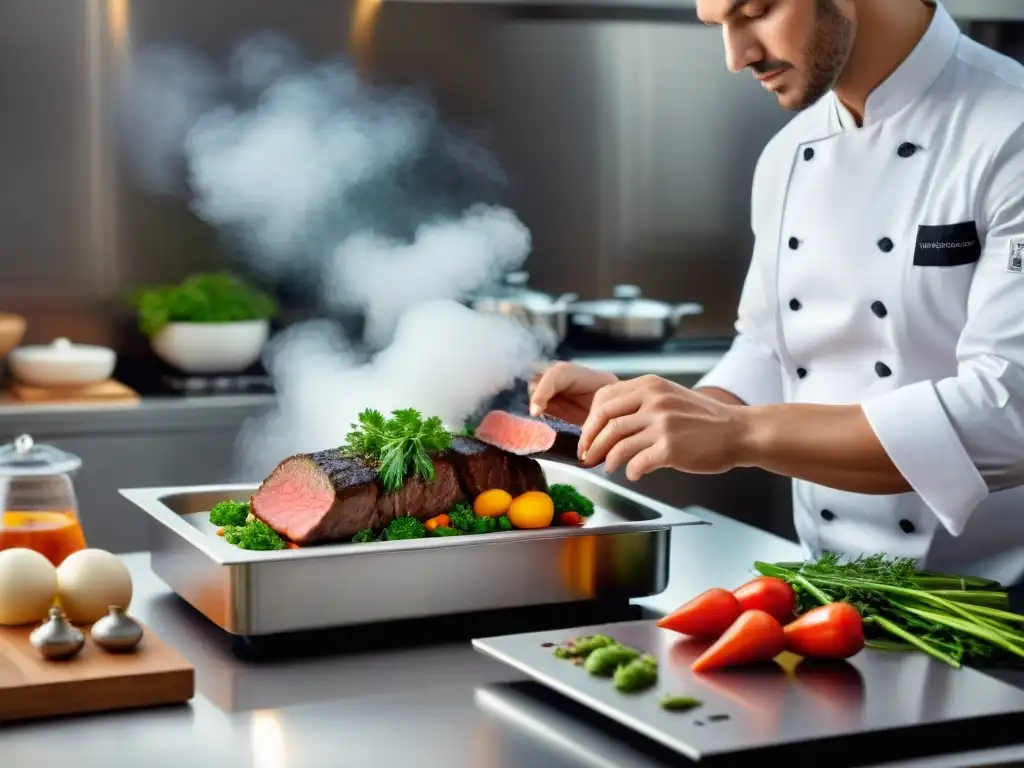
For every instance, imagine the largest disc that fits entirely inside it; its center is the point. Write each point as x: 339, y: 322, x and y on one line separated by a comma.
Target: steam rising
x: 363, y: 193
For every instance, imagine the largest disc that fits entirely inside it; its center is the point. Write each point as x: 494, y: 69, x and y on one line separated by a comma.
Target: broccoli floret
x: 504, y: 524
x: 405, y: 528
x: 462, y: 517
x: 254, y: 535
x: 229, y: 513
x: 485, y: 525
x: 446, y: 531
x: 363, y: 536
x: 567, y: 499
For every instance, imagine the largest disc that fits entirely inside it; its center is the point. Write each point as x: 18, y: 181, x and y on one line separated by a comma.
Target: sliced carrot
x: 754, y: 636
x: 431, y: 524
x: 220, y: 531
x: 443, y: 521
x: 706, y: 617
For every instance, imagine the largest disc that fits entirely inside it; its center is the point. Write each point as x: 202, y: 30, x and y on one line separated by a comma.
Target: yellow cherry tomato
x: 534, y: 509
x: 493, y: 503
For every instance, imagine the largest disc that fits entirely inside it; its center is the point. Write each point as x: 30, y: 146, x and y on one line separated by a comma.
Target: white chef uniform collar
x: 913, y: 77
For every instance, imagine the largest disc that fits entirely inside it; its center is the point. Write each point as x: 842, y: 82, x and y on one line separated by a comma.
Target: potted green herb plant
x: 209, y: 323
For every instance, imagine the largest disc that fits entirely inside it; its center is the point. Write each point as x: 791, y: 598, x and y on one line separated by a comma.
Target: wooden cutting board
x: 93, y: 681
x: 109, y: 392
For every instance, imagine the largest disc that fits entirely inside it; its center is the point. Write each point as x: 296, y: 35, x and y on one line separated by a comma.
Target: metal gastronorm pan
x: 621, y: 553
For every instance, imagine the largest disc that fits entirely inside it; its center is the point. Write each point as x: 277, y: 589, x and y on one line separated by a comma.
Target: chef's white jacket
x: 887, y: 272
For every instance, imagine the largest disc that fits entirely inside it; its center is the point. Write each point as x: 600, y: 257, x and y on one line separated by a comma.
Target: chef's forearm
x: 830, y: 445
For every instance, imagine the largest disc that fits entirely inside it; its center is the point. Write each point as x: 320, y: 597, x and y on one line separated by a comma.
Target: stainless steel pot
x: 630, y: 319
x: 545, y: 315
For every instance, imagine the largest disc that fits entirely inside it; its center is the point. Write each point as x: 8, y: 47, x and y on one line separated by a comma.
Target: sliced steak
x: 318, y: 497
x: 481, y: 467
x: 528, y: 436
x: 423, y: 499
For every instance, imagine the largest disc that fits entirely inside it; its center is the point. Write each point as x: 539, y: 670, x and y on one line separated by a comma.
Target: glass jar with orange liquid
x: 38, y: 507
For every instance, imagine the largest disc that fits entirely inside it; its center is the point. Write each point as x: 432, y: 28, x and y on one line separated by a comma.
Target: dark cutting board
x: 791, y: 702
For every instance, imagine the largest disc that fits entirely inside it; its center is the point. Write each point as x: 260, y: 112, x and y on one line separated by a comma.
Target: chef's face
x: 796, y: 48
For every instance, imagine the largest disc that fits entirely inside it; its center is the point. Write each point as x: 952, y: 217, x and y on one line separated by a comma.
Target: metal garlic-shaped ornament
x: 116, y: 632
x: 56, y: 638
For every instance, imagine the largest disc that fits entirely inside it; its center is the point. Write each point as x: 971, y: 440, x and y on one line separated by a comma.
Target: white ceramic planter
x: 206, y: 348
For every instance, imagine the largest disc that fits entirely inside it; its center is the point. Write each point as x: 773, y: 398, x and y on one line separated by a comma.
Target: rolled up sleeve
x: 751, y: 370
x: 958, y: 439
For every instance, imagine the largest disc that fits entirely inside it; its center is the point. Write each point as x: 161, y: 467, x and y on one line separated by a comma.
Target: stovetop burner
x: 218, y: 385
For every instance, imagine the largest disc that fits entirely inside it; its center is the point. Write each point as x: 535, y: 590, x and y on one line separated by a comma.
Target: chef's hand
x: 566, y: 390
x: 649, y: 423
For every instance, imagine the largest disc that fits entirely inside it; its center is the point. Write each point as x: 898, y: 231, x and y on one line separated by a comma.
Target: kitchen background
x: 629, y: 150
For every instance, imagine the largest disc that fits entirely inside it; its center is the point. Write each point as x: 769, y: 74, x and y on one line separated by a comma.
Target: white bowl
x: 61, y: 364
x: 211, y: 347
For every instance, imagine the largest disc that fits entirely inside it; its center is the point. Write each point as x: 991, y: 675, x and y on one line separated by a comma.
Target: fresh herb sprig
x: 399, y: 445
x: 956, y: 619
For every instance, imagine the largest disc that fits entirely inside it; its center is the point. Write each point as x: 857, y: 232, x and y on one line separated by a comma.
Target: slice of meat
x: 528, y: 436
x: 319, y: 497
x: 481, y: 467
x: 421, y: 498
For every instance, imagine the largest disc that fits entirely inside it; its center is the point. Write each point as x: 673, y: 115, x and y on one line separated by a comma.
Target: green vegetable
x: 405, y: 528
x: 567, y: 499
x: 229, y: 513
x: 675, y: 703
x: 446, y: 531
x: 504, y: 524
x: 399, y: 445
x: 469, y: 430
x: 603, y: 662
x: 583, y: 646
x: 254, y: 535
x: 484, y: 525
x: 363, y: 536
x: 462, y: 517
x: 203, y: 298
x: 638, y: 675
x: 952, y: 618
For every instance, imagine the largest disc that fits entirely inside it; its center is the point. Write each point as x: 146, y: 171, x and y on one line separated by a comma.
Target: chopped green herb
x: 363, y: 536
x: 254, y: 535
x: 603, y: 662
x: 583, y: 646
x: 229, y: 513
x: 398, y: 445
x: 567, y: 499
x: 504, y: 524
x: 675, y: 703
x: 638, y: 675
x: 446, y: 531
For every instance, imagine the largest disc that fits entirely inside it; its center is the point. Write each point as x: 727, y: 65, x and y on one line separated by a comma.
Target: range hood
x: 963, y: 10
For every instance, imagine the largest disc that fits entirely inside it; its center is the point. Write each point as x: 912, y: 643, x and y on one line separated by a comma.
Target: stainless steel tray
x: 775, y: 705
x: 621, y: 553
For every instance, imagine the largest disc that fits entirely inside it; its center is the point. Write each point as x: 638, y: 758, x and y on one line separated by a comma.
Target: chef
x: 879, y: 356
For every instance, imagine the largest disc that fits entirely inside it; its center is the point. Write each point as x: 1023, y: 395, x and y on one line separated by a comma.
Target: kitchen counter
x: 432, y: 705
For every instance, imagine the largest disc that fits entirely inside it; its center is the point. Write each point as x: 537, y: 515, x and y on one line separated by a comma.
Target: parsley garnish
x: 397, y: 445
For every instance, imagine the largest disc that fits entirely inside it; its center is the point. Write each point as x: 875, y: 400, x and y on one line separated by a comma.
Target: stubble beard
x: 827, y: 52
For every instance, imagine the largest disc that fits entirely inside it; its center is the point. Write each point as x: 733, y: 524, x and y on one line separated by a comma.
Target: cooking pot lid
x: 24, y: 457
x: 627, y: 302
x: 514, y: 288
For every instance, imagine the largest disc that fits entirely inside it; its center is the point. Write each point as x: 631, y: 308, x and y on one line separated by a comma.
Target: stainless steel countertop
x: 441, y: 705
